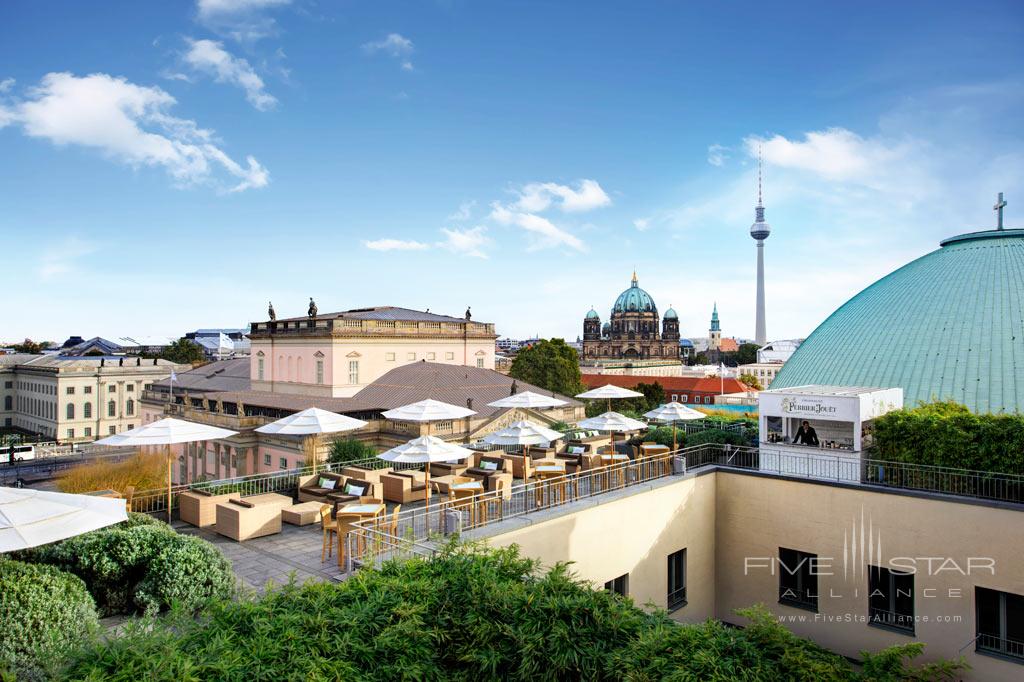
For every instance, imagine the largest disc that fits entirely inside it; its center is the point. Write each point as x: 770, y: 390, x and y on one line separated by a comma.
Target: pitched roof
x: 670, y: 384
x: 729, y: 345
x: 224, y: 375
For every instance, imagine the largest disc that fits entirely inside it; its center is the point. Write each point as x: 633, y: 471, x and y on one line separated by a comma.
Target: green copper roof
x: 947, y: 325
x: 592, y: 315
x: 634, y: 299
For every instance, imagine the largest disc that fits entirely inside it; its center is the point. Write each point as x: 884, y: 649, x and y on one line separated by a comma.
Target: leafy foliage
x: 350, y: 450
x: 43, y: 612
x: 945, y: 433
x: 551, y: 364
x: 184, y: 352
x: 470, y: 614
x: 751, y: 381
x: 142, y: 566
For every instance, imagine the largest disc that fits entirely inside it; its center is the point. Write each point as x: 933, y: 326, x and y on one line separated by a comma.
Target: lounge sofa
x: 448, y: 468
x: 489, y: 469
x: 318, y: 488
x: 523, y: 463
x: 365, y: 473
x: 578, y: 456
x: 251, y: 517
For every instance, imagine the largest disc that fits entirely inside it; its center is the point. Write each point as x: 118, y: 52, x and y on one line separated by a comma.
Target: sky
x: 172, y: 166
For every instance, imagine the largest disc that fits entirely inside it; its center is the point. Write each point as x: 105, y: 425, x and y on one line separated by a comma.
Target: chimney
x: 154, y: 361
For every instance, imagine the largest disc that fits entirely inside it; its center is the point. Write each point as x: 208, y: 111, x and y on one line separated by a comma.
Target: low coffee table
x: 302, y: 514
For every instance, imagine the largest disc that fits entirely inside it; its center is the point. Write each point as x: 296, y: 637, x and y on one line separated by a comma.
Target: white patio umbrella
x: 528, y: 400
x: 523, y: 433
x: 609, y: 392
x: 672, y: 413
x: 428, y: 410
x: 167, y: 432
x: 613, y: 422
x: 424, y: 450
x: 29, y: 518
x: 310, y: 422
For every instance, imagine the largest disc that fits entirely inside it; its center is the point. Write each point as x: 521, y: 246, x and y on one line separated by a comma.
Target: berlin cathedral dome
x: 635, y: 331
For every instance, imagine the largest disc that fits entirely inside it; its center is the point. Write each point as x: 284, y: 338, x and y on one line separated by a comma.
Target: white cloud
x: 210, y: 57
x: 545, y: 233
x: 242, y: 20
x: 538, y: 196
x: 60, y: 258
x: 464, y: 212
x: 642, y: 223
x: 395, y: 245
x: 128, y: 123
x: 468, y: 242
x: 717, y: 155
x: 834, y: 153
x: 6, y: 84
x: 394, y: 44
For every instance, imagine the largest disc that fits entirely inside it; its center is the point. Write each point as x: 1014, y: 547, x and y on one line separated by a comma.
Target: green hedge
x: 948, y: 434
x: 143, y: 567
x: 471, y: 614
x: 350, y: 450
x: 43, y: 613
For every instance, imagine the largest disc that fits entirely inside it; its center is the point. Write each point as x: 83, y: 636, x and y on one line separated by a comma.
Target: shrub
x: 350, y: 450
x: 43, y: 612
x: 469, y: 614
x: 144, y: 472
x: 143, y: 567
x: 718, y: 436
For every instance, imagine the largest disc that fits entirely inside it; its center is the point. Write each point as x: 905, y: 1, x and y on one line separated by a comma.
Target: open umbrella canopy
x: 612, y: 421
x: 610, y: 392
x: 528, y: 400
x: 674, y: 412
x: 426, y: 449
x: 311, y: 421
x: 29, y: 518
x: 167, y: 432
x: 428, y: 410
x: 523, y: 433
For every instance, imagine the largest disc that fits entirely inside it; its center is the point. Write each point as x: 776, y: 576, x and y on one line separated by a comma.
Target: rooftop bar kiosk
x: 841, y: 419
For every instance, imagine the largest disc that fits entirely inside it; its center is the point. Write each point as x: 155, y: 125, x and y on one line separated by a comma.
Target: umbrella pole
x: 168, y: 484
x: 311, y: 451
x: 674, y: 448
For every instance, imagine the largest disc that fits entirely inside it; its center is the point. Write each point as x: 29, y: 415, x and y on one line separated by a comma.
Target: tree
x: 751, y: 381
x: 30, y: 346
x: 747, y: 354
x: 654, y: 395
x: 184, y: 352
x: 551, y: 364
x: 701, y: 358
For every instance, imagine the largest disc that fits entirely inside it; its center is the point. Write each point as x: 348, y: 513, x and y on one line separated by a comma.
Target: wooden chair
x: 129, y: 494
x: 366, y: 499
x: 343, y: 525
x: 463, y: 500
x: 393, y: 526
x: 329, y: 531
x: 493, y: 500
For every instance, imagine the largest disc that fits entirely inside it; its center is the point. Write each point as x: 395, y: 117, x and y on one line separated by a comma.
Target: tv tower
x: 760, y: 231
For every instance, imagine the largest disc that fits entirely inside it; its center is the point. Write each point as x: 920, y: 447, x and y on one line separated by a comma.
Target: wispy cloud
x: 538, y: 196
x: 464, y: 211
x: 130, y: 124
x: 717, y: 155
x: 6, y: 85
x: 543, y: 233
x: 395, y: 45
x: 467, y: 242
x: 210, y: 57
x: 62, y: 257
x: 395, y: 245
x: 241, y: 20
x: 642, y: 223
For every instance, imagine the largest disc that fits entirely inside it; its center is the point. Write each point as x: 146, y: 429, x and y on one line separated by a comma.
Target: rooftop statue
x: 270, y: 311
x: 312, y: 309
x: 469, y: 315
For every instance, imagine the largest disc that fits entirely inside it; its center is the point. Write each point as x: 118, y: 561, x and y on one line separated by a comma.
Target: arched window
x: 111, y: 409
x: 71, y: 410
x: 298, y: 368
x: 291, y: 368
x: 87, y: 410
x: 129, y: 407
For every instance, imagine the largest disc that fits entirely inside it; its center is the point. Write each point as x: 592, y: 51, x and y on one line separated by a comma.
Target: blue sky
x: 168, y: 166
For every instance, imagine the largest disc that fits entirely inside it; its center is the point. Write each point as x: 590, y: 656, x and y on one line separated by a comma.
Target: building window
x: 283, y: 463
x: 999, y: 623
x: 8, y: 403
x: 707, y: 400
x: 319, y: 371
x: 891, y: 599
x: 266, y: 459
x: 618, y: 585
x: 129, y: 407
x: 87, y: 390
x: 410, y: 356
x: 112, y: 430
x: 87, y: 410
x: 70, y: 390
x: 353, y: 371
x: 677, y: 580
x: 71, y: 433
x: 70, y: 411
x: 8, y: 384
x: 390, y: 357
x: 88, y: 431
x: 798, y: 579
x: 111, y: 409
x: 111, y: 389
x: 259, y: 369
x: 449, y: 356
x: 431, y: 356
x: 480, y: 363
x: 683, y: 398
x: 130, y: 388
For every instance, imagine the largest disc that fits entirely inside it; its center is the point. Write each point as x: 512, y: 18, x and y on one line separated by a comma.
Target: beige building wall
x: 733, y: 525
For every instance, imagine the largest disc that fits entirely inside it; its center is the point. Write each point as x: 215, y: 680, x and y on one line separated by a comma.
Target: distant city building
x: 513, y: 346
x: 76, y: 346
x: 778, y: 351
x: 686, y: 350
x: 76, y: 399
x: 764, y: 372
x: 221, y: 344
x: 337, y: 354
x: 699, y: 390
x: 635, y: 333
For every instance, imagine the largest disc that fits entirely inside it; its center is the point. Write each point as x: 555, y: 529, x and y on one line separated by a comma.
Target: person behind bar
x: 806, y: 435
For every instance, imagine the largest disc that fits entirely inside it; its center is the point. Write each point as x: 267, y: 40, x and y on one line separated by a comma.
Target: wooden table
x: 362, y: 510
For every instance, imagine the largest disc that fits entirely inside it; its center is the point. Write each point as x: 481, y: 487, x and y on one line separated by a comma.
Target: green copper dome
x: 949, y: 325
x: 592, y: 315
x: 670, y: 314
x: 634, y: 300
